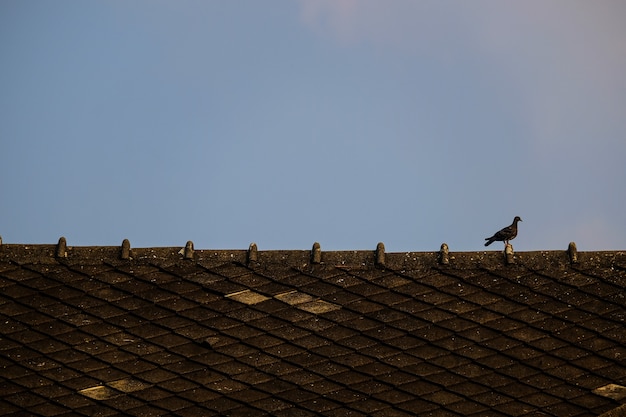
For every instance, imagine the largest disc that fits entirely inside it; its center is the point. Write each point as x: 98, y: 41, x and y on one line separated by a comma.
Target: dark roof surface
x: 303, y: 333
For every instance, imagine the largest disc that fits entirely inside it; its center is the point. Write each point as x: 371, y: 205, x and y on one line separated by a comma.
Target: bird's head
x: 517, y: 219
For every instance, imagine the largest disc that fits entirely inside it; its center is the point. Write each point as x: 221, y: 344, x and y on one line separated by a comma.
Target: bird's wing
x: 505, y: 232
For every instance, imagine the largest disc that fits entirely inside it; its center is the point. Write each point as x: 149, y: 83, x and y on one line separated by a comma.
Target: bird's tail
x: 489, y: 241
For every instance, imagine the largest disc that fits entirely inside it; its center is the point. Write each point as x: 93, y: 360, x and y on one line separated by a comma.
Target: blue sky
x: 285, y: 122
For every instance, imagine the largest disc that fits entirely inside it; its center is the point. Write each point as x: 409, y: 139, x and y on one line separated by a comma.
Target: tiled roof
x: 107, y: 331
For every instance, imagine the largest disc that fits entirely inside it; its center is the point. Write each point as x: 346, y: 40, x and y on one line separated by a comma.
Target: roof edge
x: 46, y: 253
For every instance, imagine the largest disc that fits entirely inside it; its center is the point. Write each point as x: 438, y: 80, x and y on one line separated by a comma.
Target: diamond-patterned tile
x: 212, y: 336
x: 247, y: 297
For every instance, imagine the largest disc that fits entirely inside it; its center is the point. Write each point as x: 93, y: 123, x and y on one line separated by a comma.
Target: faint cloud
x: 337, y: 17
x: 403, y: 25
x: 564, y: 60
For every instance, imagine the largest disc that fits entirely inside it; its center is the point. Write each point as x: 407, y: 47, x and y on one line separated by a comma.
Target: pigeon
x: 505, y: 234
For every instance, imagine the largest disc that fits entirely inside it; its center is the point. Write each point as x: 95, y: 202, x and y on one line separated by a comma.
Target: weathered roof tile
x: 219, y: 333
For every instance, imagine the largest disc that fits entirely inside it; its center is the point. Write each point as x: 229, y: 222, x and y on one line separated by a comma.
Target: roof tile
x: 215, y: 335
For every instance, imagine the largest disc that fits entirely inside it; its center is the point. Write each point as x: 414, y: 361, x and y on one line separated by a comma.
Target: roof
x: 170, y: 331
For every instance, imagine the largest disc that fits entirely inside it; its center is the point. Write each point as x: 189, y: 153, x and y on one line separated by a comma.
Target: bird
x: 505, y: 234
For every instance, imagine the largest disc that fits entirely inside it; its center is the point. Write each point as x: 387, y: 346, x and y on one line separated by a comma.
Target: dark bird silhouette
x: 505, y: 234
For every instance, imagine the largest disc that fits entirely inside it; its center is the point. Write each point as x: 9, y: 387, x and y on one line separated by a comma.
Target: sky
x: 289, y: 122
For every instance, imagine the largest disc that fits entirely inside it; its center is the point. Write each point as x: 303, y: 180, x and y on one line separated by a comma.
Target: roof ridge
x: 377, y: 257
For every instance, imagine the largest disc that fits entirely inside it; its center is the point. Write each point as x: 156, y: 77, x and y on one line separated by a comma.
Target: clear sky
x: 285, y: 122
